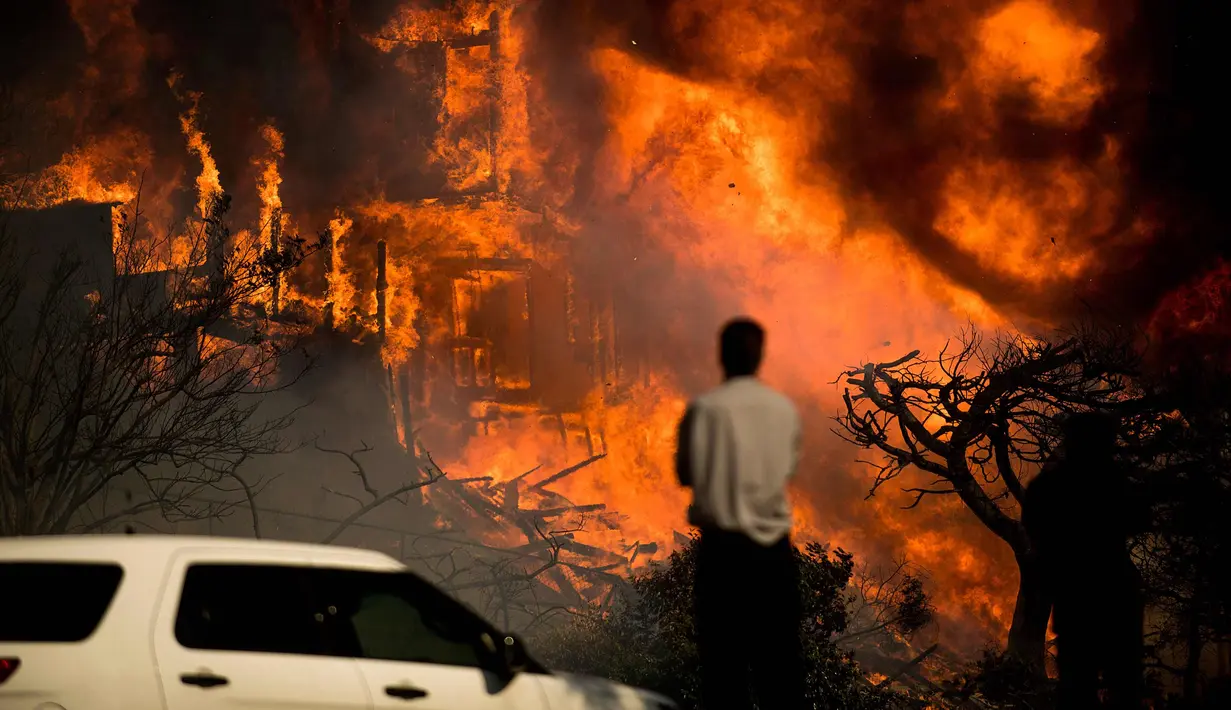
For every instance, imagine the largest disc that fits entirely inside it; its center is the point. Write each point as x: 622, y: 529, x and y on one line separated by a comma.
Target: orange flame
x: 209, y: 185
x: 341, y: 289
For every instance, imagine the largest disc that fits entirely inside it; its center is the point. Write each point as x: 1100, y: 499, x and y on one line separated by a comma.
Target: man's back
x: 742, y: 444
x: 738, y: 446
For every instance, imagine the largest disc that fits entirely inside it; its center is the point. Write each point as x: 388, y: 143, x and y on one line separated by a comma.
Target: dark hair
x: 741, y: 346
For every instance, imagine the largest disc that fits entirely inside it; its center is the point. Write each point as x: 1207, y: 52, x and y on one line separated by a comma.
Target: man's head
x: 740, y: 347
x: 1089, y: 435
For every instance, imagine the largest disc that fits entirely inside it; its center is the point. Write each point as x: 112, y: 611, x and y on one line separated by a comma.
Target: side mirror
x: 508, y: 656
x: 515, y: 655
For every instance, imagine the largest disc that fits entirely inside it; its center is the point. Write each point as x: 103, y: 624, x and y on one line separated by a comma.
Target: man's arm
x: 683, y: 448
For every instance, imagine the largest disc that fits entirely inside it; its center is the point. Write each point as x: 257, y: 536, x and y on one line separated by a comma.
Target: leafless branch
x: 979, y: 416
x: 121, y: 362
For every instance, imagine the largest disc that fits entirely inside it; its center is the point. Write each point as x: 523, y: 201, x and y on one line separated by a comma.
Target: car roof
x: 122, y: 548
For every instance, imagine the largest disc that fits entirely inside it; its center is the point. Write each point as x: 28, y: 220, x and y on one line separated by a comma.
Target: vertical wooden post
x: 275, y: 239
x: 418, y: 358
x: 216, y: 235
x: 494, y: 117
x: 408, y: 422
x: 330, y: 244
x: 382, y: 289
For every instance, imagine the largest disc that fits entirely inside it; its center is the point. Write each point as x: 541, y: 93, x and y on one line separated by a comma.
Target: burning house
x: 474, y: 302
x: 441, y: 320
x: 518, y: 339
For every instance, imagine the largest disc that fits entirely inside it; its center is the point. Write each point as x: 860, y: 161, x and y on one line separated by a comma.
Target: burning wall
x: 863, y: 178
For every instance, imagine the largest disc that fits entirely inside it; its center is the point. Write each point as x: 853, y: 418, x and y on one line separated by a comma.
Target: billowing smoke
x: 896, y: 94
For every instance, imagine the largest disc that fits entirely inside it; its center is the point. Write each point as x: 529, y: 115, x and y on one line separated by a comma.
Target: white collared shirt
x: 739, y: 445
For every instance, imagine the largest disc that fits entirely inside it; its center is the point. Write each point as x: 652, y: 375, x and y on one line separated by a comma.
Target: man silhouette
x: 1079, y: 515
x: 738, y: 446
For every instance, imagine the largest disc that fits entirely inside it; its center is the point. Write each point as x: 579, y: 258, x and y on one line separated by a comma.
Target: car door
x: 418, y: 649
x: 232, y: 632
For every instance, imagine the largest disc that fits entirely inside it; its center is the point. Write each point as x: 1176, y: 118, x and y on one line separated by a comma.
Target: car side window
x: 254, y: 608
x: 398, y: 617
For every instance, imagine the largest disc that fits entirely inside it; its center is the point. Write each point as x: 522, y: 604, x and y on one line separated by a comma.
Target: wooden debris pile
x: 513, y: 549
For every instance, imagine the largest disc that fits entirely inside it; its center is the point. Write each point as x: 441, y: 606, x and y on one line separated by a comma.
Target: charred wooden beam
x: 478, y: 39
x: 564, y: 510
x: 613, y: 580
x: 527, y: 473
x: 585, y: 550
x: 565, y: 585
x: 908, y: 667
x: 478, y: 503
x: 611, y: 521
x: 540, y: 544
x: 638, y: 549
x: 567, y: 472
x: 608, y: 567
x: 511, y: 495
x: 382, y: 288
x: 464, y: 264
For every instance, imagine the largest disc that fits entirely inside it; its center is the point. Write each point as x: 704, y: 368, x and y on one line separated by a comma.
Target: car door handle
x: 405, y: 692
x: 203, y: 680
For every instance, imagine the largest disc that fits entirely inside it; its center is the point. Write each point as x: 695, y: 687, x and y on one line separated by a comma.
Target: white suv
x: 197, y: 623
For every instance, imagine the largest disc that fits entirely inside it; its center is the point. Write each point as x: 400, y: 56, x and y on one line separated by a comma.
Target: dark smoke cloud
x: 353, y: 123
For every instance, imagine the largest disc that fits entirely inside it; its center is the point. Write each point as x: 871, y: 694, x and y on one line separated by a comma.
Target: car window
x: 54, y: 602
x: 256, y: 608
x: 398, y: 617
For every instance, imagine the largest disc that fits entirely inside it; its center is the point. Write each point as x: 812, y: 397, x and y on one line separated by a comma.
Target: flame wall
x: 864, y: 177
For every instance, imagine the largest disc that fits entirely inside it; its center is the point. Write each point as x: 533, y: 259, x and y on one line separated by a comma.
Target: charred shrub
x: 647, y: 639
x: 1002, y: 680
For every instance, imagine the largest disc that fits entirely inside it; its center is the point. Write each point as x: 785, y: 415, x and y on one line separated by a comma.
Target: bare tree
x: 887, y: 604
x: 131, y: 363
x: 977, y: 421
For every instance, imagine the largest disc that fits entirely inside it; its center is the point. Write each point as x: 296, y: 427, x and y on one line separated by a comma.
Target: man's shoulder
x: 734, y: 393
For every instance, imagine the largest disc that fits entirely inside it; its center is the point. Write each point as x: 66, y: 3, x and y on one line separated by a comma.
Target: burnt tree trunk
x: 1195, y: 647
x: 1031, y: 612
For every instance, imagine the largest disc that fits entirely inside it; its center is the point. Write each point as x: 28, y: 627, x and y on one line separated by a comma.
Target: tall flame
x: 209, y: 184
